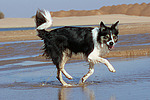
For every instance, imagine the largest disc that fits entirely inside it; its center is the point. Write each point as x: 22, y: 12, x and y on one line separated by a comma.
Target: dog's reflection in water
x: 81, y: 93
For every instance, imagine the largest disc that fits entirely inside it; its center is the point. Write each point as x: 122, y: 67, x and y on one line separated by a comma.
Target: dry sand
x: 128, y: 25
x: 82, y: 20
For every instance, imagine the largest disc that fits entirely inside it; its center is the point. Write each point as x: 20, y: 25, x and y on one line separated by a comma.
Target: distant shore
x: 127, y: 25
x: 77, y: 20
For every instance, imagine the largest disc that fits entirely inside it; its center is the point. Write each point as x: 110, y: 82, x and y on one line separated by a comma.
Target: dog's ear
x: 102, y: 26
x: 115, y: 26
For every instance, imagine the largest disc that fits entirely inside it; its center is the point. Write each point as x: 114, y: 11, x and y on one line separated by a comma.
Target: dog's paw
x: 82, y: 80
x: 70, y: 77
x: 67, y: 85
x: 111, y: 69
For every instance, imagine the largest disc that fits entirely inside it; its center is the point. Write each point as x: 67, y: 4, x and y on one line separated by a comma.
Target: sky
x: 27, y: 8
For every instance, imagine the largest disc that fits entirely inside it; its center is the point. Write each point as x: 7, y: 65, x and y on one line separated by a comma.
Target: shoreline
x: 22, y: 35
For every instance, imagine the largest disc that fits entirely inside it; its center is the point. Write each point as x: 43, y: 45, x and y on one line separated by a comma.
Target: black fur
x: 39, y: 18
x: 76, y: 39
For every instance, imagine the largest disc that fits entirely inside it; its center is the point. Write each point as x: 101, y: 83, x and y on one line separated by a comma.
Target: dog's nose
x: 111, y: 43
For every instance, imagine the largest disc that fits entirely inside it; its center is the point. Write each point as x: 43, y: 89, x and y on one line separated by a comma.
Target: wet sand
x: 23, y: 70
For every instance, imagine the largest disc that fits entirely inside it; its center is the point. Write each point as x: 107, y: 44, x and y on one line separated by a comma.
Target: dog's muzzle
x: 111, y: 45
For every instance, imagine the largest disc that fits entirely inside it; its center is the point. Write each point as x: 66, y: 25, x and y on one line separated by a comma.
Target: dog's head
x: 108, y: 35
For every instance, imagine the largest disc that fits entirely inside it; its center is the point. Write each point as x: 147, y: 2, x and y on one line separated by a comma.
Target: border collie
x: 61, y: 43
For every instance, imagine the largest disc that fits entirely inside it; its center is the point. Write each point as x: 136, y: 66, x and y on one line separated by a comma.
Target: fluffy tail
x: 43, y: 20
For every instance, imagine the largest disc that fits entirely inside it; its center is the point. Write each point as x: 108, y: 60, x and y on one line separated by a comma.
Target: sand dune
x: 63, y: 13
x: 131, y: 9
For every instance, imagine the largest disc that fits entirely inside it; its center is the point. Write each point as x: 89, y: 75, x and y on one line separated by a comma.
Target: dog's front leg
x: 101, y: 60
x: 107, y: 63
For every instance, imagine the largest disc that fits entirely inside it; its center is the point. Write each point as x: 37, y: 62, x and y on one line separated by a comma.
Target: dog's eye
x: 106, y: 37
x: 115, y: 37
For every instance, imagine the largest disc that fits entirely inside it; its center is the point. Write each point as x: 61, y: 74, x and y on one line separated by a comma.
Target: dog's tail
x: 43, y: 21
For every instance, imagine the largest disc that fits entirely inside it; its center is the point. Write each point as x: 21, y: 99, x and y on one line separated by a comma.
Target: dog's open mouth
x: 110, y: 47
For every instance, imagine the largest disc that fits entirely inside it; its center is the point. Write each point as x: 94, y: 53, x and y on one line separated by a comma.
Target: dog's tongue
x: 111, y: 47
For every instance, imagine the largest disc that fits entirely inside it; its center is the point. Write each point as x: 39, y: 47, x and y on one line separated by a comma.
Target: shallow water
x: 134, y: 40
x: 130, y: 82
x: 21, y: 76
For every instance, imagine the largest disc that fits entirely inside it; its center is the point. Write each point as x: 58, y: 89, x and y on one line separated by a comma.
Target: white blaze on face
x: 112, y: 39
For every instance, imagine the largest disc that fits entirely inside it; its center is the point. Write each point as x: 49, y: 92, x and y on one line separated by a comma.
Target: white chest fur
x: 99, y: 49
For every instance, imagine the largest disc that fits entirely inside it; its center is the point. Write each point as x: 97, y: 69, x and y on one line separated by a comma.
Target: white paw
x: 111, y: 69
x: 67, y: 85
x: 70, y: 77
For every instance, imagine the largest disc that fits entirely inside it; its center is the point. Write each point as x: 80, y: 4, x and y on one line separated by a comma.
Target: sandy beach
x: 127, y: 25
x: 23, y: 70
x: 76, y: 20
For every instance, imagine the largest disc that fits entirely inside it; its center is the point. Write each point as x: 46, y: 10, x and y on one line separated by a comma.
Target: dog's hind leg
x: 90, y: 72
x: 65, y: 58
x: 59, y: 77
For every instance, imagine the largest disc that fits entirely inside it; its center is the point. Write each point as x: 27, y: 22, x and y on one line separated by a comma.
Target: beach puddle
x: 24, y: 76
x: 133, y: 40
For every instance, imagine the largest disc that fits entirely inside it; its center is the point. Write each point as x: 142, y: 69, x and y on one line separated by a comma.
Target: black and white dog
x: 61, y: 43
